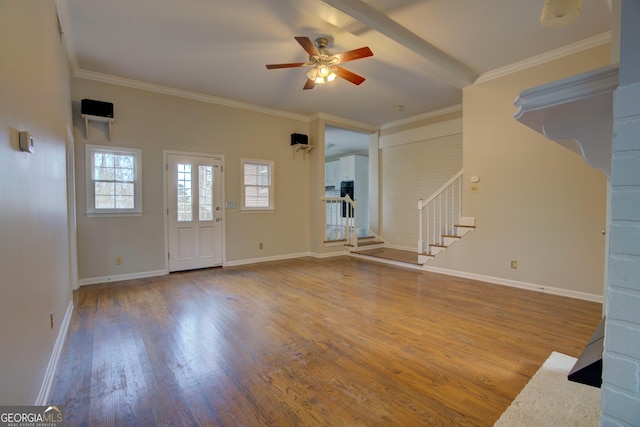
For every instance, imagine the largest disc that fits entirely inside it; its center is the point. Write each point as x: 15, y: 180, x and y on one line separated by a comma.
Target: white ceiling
x: 425, y: 51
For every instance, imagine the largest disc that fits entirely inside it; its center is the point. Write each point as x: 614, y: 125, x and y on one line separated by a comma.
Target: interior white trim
x: 489, y: 279
x: 517, y: 284
x: 424, y: 116
x: 340, y: 121
x: 329, y: 254
x: 166, y: 90
x: 121, y: 277
x: 576, y: 112
x: 265, y: 259
x: 423, y: 133
x: 50, y: 373
x: 455, y: 273
x: 580, y: 46
x: 449, y: 69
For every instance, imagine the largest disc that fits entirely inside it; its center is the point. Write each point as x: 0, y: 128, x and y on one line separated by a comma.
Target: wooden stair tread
x: 453, y: 236
x: 399, y: 255
x: 369, y: 242
x: 366, y: 243
x: 335, y: 241
x: 465, y: 226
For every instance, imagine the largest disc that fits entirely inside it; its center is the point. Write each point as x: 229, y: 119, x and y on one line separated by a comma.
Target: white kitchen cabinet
x: 332, y: 176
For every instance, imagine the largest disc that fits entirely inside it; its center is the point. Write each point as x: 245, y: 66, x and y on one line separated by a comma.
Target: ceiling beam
x: 453, y: 71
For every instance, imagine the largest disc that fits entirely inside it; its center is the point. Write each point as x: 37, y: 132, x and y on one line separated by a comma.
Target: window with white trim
x: 113, y: 180
x: 257, y: 185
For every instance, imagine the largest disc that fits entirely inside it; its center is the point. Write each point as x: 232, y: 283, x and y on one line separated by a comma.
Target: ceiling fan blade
x: 349, y: 76
x: 308, y: 45
x: 363, y: 52
x: 289, y: 65
x: 310, y: 84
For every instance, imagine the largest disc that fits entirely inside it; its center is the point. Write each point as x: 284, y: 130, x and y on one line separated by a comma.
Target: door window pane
x: 185, y: 194
x: 205, y: 194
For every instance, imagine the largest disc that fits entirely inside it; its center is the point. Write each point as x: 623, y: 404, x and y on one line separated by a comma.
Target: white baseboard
x: 473, y: 276
x: 50, y: 373
x: 120, y: 277
x: 329, y: 254
x: 517, y: 284
x: 265, y: 259
x: 490, y: 279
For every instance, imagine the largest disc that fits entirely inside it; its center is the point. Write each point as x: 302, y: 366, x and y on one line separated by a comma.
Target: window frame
x: 271, y: 186
x: 91, y: 210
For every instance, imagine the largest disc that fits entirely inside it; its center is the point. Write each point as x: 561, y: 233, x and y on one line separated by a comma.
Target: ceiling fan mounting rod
x: 322, y: 42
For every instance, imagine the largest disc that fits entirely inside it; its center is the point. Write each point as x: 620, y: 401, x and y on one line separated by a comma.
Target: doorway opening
x: 347, y: 172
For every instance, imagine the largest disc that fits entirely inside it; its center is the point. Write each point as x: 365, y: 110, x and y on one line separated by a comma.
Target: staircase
x: 440, y: 226
x: 365, y: 243
x: 440, y: 221
x: 462, y: 227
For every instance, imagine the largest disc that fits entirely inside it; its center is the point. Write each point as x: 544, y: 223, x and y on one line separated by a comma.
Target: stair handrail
x: 350, y: 227
x: 422, y: 204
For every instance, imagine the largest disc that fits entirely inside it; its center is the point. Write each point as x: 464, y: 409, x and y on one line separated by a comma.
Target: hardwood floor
x: 315, y: 342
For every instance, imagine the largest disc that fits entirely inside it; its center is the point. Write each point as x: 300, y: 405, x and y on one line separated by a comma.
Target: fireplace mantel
x: 576, y: 112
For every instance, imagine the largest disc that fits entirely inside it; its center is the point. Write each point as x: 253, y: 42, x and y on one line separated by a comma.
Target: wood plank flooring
x: 308, y: 342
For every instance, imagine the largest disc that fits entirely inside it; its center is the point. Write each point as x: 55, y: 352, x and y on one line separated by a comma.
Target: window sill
x: 249, y: 210
x: 111, y: 214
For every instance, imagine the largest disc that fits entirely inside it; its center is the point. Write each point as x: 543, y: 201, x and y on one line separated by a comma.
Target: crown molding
x: 167, y: 90
x: 341, y: 121
x: 423, y: 116
x: 580, y: 46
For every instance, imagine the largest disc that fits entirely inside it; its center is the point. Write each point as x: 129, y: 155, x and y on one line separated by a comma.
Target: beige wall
x: 538, y: 203
x: 155, y: 122
x: 34, y: 266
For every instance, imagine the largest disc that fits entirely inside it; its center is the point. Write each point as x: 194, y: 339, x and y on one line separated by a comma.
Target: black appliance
x: 346, y: 188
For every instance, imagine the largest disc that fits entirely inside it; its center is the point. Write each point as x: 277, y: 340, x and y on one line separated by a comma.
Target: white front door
x: 194, y: 212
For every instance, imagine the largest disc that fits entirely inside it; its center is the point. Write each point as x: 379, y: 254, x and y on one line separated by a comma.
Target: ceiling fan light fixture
x: 558, y: 13
x: 321, y: 74
x: 323, y: 70
x: 323, y: 64
x: 312, y: 74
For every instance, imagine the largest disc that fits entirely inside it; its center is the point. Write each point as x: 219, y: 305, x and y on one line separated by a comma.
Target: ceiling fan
x: 324, y: 65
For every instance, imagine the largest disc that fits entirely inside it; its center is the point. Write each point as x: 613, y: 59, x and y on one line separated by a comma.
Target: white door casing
x: 194, y: 211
